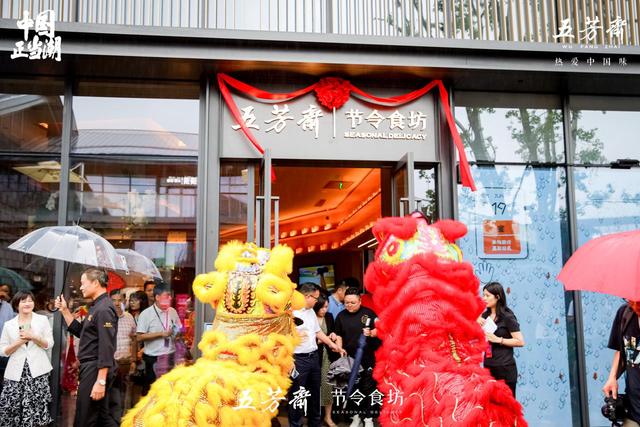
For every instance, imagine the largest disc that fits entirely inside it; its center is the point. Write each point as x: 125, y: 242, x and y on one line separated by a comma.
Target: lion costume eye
x: 393, y: 252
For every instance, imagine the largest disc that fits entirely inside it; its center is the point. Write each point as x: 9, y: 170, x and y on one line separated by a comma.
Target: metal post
x: 251, y: 207
x: 276, y: 220
x: 446, y: 179
x: 65, y: 164
x: 267, y: 198
x: 329, y: 16
x: 259, y: 205
x: 208, y: 224
x: 573, y: 242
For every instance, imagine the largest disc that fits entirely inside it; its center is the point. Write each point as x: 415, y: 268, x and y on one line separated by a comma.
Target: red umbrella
x: 609, y: 264
x: 115, y: 282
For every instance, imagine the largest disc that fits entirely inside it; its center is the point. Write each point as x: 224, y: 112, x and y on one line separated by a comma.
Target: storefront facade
x: 141, y: 147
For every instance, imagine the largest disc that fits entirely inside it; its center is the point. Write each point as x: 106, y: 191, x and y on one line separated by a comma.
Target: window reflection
x: 607, y: 201
x: 510, y: 127
x: 30, y: 122
x: 531, y: 200
x: 127, y: 189
x: 603, y: 129
x: 234, y: 199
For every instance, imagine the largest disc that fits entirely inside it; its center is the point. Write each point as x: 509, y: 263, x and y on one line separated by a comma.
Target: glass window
x: 135, y: 126
x: 517, y: 228
x: 424, y: 183
x: 234, y: 199
x: 607, y: 201
x: 124, y: 188
x: 29, y: 195
x: 30, y: 116
x: 604, y: 128
x: 499, y: 127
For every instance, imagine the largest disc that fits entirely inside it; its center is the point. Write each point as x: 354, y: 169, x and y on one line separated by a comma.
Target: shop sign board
x: 303, y: 129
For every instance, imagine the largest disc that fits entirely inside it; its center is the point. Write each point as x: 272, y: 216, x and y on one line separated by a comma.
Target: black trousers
x: 308, y: 369
x: 508, y: 373
x: 105, y: 412
x: 149, y: 369
x: 362, y: 403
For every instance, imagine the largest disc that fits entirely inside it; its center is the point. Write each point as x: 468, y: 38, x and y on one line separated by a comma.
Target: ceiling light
x: 44, y: 125
x: 293, y: 233
x: 366, y: 243
x: 305, y: 230
x: 311, y: 248
x: 324, y: 247
x: 335, y: 245
x: 284, y: 235
x: 298, y: 250
x: 315, y: 228
x: 327, y: 227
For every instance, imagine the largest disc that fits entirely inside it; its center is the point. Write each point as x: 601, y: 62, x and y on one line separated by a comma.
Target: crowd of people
x: 125, y: 345
x: 335, y: 328
x: 122, y: 346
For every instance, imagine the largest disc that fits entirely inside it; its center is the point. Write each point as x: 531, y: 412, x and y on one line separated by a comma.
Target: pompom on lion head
x: 250, y: 281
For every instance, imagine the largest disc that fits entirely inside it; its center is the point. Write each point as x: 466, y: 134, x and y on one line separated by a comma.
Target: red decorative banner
x: 333, y: 92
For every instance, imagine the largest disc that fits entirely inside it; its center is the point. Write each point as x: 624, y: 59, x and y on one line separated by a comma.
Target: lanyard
x: 166, y: 324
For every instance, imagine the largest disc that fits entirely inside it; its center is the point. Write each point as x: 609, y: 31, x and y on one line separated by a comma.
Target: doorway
x: 323, y: 211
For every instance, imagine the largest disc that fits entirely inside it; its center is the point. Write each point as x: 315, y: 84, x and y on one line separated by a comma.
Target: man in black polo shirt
x: 625, y: 340
x: 98, y: 401
x: 356, y: 320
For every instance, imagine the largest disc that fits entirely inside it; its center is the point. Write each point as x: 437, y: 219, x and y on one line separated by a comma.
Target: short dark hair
x: 319, y: 304
x: 352, y: 291
x: 21, y: 296
x: 101, y: 276
x: 148, y: 282
x: 350, y: 282
x: 161, y: 288
x: 308, y: 288
x: 8, y: 286
x: 114, y: 292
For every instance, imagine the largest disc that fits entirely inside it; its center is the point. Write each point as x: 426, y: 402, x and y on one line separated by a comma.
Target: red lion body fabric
x: 430, y: 364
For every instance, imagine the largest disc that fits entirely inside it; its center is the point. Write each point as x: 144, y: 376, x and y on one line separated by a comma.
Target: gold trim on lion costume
x: 243, y: 373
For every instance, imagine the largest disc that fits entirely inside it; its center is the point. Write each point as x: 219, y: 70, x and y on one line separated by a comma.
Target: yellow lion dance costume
x: 243, y: 373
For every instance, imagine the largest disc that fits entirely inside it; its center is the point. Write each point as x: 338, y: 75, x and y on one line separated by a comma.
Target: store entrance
x: 324, y: 211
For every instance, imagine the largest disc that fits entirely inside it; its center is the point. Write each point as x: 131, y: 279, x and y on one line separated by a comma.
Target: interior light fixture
x: 293, y: 233
x: 366, y: 243
x: 44, y: 125
x: 315, y: 228
x: 327, y: 227
x: 324, y: 247
x: 305, y: 230
x: 284, y: 235
x: 298, y: 250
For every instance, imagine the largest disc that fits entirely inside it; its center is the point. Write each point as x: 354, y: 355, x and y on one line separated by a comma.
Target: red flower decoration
x: 333, y: 92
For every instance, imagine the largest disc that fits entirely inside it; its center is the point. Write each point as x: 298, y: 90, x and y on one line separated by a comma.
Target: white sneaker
x: 355, y: 421
x: 368, y: 422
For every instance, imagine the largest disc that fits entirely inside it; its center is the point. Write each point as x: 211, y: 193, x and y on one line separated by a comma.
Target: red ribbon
x: 394, y: 101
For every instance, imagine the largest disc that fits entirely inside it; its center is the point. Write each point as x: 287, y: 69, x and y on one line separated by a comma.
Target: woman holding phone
x: 25, y: 340
x: 499, y: 358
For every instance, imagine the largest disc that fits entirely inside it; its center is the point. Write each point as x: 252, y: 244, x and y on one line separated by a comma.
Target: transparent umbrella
x: 72, y: 244
x: 13, y: 279
x: 139, y: 263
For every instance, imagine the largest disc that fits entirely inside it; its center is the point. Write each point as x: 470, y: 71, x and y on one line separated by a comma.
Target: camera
x: 614, y: 410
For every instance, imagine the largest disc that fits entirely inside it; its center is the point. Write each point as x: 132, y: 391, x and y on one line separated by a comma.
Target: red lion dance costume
x: 429, y: 365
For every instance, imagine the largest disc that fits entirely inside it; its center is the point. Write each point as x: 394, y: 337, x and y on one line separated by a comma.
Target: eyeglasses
x: 315, y: 298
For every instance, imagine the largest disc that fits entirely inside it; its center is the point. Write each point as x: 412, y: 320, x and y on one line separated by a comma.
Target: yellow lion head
x: 250, y: 281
